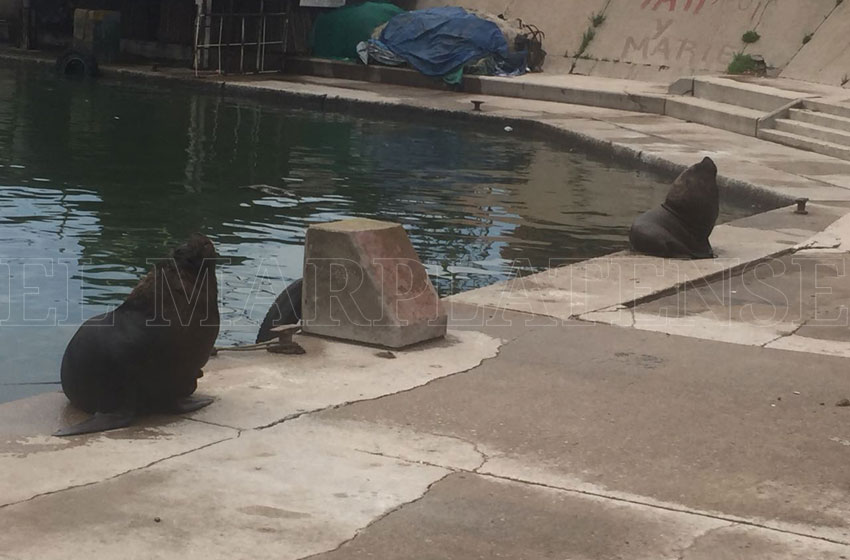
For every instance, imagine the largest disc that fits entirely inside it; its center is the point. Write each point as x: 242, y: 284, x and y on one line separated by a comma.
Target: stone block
x: 364, y: 282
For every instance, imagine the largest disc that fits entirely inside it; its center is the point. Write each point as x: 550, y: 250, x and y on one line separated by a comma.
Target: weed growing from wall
x: 750, y: 37
x: 742, y: 64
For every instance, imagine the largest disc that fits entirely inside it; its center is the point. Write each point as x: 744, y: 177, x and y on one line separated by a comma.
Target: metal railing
x: 256, y: 40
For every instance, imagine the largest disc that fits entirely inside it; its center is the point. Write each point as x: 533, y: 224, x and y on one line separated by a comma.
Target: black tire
x: 75, y: 63
x: 286, y: 310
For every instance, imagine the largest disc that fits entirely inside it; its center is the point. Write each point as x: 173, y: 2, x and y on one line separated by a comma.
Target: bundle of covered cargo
x: 448, y: 42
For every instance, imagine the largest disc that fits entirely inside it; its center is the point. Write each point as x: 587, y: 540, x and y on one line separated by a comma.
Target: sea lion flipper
x: 286, y: 310
x: 190, y: 404
x: 99, y: 422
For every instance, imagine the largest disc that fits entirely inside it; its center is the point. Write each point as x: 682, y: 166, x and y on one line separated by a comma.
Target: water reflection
x: 107, y: 175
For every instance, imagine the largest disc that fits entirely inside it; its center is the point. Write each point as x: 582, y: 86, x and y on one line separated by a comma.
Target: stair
x: 757, y: 110
x: 805, y: 143
x: 828, y: 108
x: 742, y: 120
x: 742, y: 94
x: 813, y: 131
x: 818, y: 127
x: 725, y: 103
x: 821, y: 119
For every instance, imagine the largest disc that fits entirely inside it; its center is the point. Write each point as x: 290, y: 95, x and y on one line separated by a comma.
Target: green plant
x: 807, y: 37
x: 741, y: 64
x: 750, y: 37
x: 597, y: 19
x: 586, y: 38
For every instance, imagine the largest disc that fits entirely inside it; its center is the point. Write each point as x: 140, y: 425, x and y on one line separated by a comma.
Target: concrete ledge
x: 743, y: 94
x: 576, y: 93
x: 622, y: 280
x: 354, y: 71
x: 712, y: 113
x: 579, y: 90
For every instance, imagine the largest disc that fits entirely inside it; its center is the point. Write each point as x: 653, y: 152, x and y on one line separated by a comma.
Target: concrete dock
x: 625, y: 407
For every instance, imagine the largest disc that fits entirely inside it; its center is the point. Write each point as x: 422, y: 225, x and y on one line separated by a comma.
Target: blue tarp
x: 438, y: 41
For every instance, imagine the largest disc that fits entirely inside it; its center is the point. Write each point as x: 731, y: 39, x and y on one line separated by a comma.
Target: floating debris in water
x: 271, y: 190
x: 41, y: 179
x: 509, y: 129
x: 292, y: 179
x: 16, y: 166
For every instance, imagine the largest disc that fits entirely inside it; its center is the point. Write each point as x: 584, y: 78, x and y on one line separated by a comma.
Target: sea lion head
x: 694, y: 196
x: 198, y: 251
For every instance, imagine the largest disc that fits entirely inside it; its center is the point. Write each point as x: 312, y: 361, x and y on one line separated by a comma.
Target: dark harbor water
x: 96, y: 178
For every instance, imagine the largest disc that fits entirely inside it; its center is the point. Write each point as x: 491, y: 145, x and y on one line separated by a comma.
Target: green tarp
x: 337, y: 32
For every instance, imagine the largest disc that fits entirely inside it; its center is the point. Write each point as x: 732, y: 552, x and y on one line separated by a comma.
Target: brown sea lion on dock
x: 681, y: 226
x: 147, y: 354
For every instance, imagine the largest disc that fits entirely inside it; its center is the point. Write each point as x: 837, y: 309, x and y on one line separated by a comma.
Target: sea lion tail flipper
x: 286, y: 310
x: 100, y: 422
x: 190, y: 404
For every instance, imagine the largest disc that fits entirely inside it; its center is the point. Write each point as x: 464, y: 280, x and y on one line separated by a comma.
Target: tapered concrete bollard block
x: 364, y: 282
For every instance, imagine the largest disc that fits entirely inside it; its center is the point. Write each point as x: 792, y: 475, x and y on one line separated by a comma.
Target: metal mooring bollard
x: 801, y: 206
x: 285, y: 344
x: 476, y: 105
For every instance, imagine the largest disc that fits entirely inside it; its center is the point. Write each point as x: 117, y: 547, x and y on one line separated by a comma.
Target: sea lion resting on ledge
x: 680, y: 227
x: 147, y: 354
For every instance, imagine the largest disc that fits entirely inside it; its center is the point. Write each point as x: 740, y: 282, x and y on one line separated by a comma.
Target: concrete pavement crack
x: 729, y: 521
x: 780, y: 337
x: 707, y: 515
x: 380, y: 518
x: 473, y: 444
x: 208, y: 423
x: 410, y: 461
x: 701, y: 536
x: 113, y: 477
x: 484, y: 457
x: 393, y: 394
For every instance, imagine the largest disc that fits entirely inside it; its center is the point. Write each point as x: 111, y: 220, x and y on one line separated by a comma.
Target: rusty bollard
x: 285, y: 344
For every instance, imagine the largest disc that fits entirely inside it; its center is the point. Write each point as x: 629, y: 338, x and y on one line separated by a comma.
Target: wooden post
x: 27, y: 35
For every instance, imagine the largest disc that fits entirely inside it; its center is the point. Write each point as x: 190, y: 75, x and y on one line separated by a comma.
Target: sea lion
x: 147, y: 354
x: 286, y: 310
x: 680, y: 227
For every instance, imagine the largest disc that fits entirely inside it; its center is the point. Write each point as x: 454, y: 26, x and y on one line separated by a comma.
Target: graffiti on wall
x: 661, y: 44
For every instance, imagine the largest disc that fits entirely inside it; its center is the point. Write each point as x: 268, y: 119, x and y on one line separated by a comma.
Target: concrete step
x: 578, y: 90
x: 814, y: 131
x: 805, y: 143
x: 718, y: 115
x: 751, y: 96
x: 820, y: 119
x: 829, y: 108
